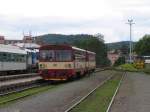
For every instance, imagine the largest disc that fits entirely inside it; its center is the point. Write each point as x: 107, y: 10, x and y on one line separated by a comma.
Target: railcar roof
x: 91, y: 52
x: 28, y: 45
x: 76, y: 48
x: 32, y: 50
x: 11, y: 49
x: 68, y: 46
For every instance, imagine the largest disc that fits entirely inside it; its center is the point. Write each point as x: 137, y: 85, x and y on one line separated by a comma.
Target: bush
x: 128, y: 67
x: 120, y: 61
x: 147, y: 70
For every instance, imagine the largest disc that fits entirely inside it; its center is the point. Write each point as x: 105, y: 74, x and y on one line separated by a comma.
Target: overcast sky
x: 108, y: 17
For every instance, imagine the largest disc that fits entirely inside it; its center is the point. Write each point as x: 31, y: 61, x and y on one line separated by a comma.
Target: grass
x: 128, y: 67
x: 14, y: 96
x: 131, y: 68
x: 100, y: 99
x: 18, y: 95
x: 146, y: 70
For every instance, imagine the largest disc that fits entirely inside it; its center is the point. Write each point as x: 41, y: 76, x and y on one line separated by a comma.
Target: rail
x: 19, y: 76
x: 17, y: 87
x: 84, y: 97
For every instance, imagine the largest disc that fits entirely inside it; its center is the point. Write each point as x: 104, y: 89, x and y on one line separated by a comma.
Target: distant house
x: 113, y: 56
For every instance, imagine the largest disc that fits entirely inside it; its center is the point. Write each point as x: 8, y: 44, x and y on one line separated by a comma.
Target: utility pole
x: 130, y: 22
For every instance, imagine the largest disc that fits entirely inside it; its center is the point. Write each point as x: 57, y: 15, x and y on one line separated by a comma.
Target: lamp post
x: 130, y: 22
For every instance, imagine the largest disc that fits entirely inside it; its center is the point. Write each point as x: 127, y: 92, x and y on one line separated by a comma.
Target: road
x: 60, y: 98
x: 134, y: 94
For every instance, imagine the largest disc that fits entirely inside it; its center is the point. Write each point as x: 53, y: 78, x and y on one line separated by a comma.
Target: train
x: 64, y: 62
x: 15, y: 60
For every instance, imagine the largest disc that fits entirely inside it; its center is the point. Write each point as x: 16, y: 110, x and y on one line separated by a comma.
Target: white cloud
x: 74, y: 16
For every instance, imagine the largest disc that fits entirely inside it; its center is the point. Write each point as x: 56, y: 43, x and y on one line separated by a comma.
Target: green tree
x: 142, y: 47
x: 124, y: 49
x: 94, y: 44
x: 120, y: 61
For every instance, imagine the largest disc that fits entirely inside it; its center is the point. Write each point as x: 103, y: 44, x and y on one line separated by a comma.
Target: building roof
x: 28, y: 45
x: 11, y: 49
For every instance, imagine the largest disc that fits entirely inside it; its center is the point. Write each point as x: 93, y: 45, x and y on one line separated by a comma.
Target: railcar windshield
x: 63, y: 55
x: 55, y: 55
x: 47, y: 55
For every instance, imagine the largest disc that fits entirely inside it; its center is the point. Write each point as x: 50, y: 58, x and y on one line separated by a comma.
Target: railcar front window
x: 47, y: 55
x: 63, y: 55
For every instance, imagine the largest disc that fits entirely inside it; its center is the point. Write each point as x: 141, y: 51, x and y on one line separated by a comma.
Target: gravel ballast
x: 133, y: 95
x: 59, y: 98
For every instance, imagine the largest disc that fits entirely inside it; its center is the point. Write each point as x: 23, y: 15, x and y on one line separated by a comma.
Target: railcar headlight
x: 44, y: 66
x: 68, y: 65
x: 40, y: 65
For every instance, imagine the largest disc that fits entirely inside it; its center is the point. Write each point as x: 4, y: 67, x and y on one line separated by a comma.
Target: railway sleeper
x: 16, y: 77
x: 16, y: 87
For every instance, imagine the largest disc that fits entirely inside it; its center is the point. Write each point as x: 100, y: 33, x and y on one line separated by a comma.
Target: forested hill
x: 60, y: 39
x: 118, y: 45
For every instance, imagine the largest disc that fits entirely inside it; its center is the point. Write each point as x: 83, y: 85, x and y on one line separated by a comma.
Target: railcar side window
x: 23, y: 58
x: 80, y: 56
x: 4, y: 57
x: 8, y: 57
x: 1, y: 57
x: 12, y: 57
x: 91, y: 57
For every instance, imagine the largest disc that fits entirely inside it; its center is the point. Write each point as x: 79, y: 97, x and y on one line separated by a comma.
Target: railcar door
x: 1, y: 61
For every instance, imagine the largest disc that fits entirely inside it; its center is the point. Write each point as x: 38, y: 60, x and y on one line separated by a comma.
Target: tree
x: 120, y: 61
x: 142, y: 47
x: 124, y: 49
x: 94, y: 44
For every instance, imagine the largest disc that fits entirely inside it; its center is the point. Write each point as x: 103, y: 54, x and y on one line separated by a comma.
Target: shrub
x: 147, y: 70
x: 120, y: 61
x: 128, y: 67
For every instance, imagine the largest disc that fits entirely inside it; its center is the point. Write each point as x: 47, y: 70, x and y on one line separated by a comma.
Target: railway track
x: 86, y: 96
x: 19, y: 76
x: 11, y: 86
x: 29, y: 75
x: 17, y: 83
x: 112, y: 100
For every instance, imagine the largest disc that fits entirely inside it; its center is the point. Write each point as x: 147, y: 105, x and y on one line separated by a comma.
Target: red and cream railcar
x: 62, y: 62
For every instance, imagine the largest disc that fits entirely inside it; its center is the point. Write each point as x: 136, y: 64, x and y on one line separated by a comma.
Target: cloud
x: 74, y: 17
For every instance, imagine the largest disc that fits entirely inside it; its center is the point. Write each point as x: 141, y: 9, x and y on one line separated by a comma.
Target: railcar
x: 146, y: 59
x: 32, y: 59
x: 63, y: 62
x: 12, y: 59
